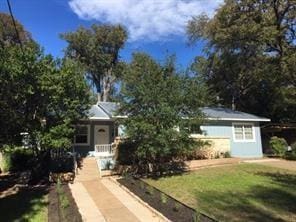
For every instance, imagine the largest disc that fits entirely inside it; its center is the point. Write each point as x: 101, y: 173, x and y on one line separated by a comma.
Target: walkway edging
x: 139, y: 200
x: 78, y: 191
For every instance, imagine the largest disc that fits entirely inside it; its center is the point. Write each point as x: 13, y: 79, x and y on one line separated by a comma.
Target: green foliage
x: 150, y: 190
x: 17, y: 159
x: 251, y: 56
x: 97, y: 49
x: 8, y: 35
x: 157, y: 98
x: 278, y: 145
x: 227, y: 154
x: 291, y: 155
x: 126, y: 152
x: 163, y: 198
x: 41, y: 96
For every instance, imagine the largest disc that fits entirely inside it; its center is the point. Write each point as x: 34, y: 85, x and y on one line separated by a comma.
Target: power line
x: 14, y: 24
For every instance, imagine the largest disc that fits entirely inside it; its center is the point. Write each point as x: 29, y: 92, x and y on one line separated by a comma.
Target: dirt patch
x: 168, y: 206
x: 62, y: 206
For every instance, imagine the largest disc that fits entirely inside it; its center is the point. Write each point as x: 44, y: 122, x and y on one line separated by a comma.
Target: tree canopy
x: 97, y: 49
x: 8, y: 34
x: 39, y: 95
x: 158, y: 100
x: 250, y: 55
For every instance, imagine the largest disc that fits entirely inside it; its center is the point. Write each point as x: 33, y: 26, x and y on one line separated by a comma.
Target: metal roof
x: 107, y: 110
x: 96, y: 112
x: 220, y: 113
x: 110, y: 108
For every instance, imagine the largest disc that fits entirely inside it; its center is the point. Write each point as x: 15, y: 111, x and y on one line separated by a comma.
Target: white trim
x: 120, y: 116
x: 100, y: 118
x: 238, y: 119
x: 244, y: 140
x: 88, y: 136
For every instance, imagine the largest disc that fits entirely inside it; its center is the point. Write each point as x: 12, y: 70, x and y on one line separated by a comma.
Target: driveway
x: 284, y: 164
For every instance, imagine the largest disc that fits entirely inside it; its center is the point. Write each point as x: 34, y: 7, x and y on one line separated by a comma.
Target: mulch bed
x: 165, y: 204
x: 55, y: 214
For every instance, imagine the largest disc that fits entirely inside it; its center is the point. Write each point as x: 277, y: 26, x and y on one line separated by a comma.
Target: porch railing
x: 106, y: 149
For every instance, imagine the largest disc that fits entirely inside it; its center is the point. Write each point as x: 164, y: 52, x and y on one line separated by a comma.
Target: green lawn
x: 244, y: 192
x: 25, y: 205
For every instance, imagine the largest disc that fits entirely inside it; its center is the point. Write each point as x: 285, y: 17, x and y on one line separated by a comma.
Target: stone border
x: 197, y: 164
x: 113, y: 179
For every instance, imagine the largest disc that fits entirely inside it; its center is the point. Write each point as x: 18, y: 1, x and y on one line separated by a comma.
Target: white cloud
x: 151, y: 20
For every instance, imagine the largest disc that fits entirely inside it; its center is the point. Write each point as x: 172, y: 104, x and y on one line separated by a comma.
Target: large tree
x: 41, y: 96
x: 250, y: 55
x: 97, y: 48
x: 158, y: 100
x: 10, y: 34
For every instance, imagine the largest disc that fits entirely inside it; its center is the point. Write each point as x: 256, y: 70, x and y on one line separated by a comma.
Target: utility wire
x: 14, y: 24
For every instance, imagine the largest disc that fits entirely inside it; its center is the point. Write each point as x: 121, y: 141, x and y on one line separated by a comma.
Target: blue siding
x: 238, y: 149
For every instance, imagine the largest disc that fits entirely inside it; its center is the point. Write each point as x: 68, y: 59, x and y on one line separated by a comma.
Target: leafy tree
x: 8, y: 34
x: 41, y: 96
x: 250, y: 55
x: 97, y: 49
x: 157, y: 100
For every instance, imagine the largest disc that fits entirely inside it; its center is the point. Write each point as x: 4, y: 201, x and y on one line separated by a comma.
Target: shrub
x: 205, y: 152
x: 291, y: 155
x: 278, y: 145
x: 17, y: 159
x: 126, y: 152
x: 227, y: 154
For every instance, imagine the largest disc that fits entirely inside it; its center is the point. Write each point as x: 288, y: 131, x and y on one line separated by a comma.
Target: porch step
x: 88, y: 171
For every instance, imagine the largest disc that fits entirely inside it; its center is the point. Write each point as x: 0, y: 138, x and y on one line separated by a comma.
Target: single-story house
x: 230, y: 130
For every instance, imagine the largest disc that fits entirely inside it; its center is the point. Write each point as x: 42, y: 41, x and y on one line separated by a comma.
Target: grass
x: 244, y: 192
x: 25, y: 205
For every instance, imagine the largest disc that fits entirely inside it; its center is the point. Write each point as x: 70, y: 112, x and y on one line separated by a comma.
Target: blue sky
x: 154, y: 26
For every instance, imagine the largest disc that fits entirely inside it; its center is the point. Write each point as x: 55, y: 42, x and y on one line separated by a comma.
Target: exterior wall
x: 238, y: 149
x: 84, y: 149
x: 218, y: 143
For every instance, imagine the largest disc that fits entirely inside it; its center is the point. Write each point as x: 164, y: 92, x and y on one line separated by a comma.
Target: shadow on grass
x: 259, y: 203
x: 24, y: 204
x: 285, y: 179
x: 7, y: 181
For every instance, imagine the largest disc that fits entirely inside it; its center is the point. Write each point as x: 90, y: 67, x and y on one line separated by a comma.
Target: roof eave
x: 238, y: 119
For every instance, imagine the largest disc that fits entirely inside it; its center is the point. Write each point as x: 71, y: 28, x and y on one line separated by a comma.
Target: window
x: 81, y: 134
x: 243, y: 133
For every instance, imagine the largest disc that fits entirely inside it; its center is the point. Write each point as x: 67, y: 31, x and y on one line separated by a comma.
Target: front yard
x: 244, y: 192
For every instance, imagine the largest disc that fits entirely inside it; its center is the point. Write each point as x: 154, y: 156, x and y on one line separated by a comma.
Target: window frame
x: 244, y: 140
x: 88, y: 136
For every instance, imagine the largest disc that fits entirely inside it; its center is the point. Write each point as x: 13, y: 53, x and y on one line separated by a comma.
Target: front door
x: 102, y: 134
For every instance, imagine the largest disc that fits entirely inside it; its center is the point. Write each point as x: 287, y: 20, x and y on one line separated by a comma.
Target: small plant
x: 196, y: 217
x: 163, y: 198
x: 177, y: 206
x: 278, y: 145
x: 227, y: 154
x: 291, y: 155
x: 142, y: 185
x: 150, y: 190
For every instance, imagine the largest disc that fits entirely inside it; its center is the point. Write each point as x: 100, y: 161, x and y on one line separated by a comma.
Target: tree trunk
x: 108, y: 80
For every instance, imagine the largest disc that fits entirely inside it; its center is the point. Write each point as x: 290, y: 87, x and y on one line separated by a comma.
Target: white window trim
x: 243, y: 140
x: 88, y: 136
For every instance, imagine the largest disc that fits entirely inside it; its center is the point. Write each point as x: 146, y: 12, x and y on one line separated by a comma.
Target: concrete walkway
x: 280, y: 163
x: 97, y: 199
